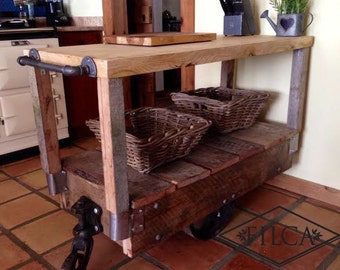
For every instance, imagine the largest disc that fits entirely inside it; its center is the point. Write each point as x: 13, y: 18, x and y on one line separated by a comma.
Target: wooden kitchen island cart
x: 139, y: 210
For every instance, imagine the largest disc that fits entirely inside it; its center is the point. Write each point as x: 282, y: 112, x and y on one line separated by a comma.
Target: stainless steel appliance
x: 17, y: 124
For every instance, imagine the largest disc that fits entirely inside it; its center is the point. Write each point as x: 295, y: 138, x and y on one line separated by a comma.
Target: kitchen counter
x: 23, y: 33
x: 76, y: 28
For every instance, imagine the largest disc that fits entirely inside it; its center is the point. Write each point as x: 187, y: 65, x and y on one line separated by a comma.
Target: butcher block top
x: 163, y: 38
x: 114, y: 61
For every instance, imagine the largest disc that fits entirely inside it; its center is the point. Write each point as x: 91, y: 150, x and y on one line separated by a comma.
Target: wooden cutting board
x: 163, y: 38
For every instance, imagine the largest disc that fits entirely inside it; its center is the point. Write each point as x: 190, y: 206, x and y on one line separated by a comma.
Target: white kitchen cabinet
x: 17, y: 124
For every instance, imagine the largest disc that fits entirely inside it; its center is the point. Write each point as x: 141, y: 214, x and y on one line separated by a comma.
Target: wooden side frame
x: 298, y: 86
x: 188, y: 25
x: 44, y: 112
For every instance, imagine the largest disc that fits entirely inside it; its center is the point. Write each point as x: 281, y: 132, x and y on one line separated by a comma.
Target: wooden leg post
x: 228, y: 73
x: 44, y: 113
x: 45, y: 119
x: 188, y: 25
x: 298, y: 85
x: 112, y: 126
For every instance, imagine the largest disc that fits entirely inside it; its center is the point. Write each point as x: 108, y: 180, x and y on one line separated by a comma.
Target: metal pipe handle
x: 87, y: 66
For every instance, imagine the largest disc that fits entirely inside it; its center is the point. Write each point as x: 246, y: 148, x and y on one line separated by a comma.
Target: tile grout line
x: 330, y: 258
x: 8, y: 232
x: 225, y: 259
x: 120, y: 264
x: 269, y: 223
x: 16, y: 198
x: 266, y: 261
x: 36, y: 191
x: 18, y: 266
x: 33, y: 255
x: 154, y: 261
x: 70, y: 241
x: 35, y: 219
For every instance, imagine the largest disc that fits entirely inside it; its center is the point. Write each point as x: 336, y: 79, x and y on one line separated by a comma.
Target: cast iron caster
x: 212, y: 224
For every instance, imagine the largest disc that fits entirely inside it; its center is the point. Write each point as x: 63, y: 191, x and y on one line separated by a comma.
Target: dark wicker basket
x: 228, y: 109
x: 155, y: 136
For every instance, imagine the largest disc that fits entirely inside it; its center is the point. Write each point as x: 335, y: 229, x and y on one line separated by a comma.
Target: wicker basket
x: 155, y: 136
x: 228, y: 109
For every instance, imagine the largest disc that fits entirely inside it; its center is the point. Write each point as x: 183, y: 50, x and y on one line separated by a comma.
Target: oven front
x: 17, y: 123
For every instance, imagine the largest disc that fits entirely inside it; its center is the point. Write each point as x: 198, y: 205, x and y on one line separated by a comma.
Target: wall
x: 318, y: 159
x: 94, y: 7
x: 83, y: 8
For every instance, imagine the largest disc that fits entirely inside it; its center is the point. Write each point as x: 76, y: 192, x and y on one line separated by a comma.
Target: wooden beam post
x: 112, y: 127
x: 188, y: 25
x: 115, y: 22
x: 114, y: 19
x: 298, y: 85
x: 44, y: 112
x: 228, y: 75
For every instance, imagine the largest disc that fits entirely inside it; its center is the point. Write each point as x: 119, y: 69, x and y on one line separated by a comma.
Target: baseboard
x: 27, y: 153
x: 308, y: 189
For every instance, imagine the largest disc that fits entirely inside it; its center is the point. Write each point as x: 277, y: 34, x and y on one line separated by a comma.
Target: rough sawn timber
x: 114, y: 61
x: 169, y: 201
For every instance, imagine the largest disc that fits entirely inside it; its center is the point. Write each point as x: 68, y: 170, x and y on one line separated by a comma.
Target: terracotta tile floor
x: 36, y: 234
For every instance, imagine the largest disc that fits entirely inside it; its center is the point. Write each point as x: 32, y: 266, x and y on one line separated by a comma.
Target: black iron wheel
x: 212, y: 224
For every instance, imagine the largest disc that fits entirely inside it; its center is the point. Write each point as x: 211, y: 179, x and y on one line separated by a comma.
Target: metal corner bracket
x: 294, y: 144
x: 57, y: 182
x: 124, y: 224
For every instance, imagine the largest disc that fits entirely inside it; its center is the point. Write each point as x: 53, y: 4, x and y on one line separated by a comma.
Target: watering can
x: 288, y: 25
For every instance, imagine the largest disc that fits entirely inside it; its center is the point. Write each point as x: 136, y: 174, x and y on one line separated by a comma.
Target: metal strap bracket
x: 294, y: 144
x: 137, y: 220
x: 57, y: 182
x: 124, y: 224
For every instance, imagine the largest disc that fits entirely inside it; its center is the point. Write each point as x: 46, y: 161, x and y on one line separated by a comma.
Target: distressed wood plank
x: 201, y: 198
x: 112, y: 128
x: 279, y: 129
x: 181, y: 173
x: 143, y: 188
x: 211, y: 158
x: 195, y: 198
x: 263, y: 134
x: 114, y: 61
x: 44, y: 112
x: 228, y: 75
x: 163, y: 38
x: 298, y: 84
x: 243, y: 149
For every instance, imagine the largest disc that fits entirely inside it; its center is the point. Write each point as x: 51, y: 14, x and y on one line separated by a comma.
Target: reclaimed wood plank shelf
x: 141, y: 210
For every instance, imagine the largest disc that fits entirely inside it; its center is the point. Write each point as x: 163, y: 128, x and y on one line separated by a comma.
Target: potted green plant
x: 289, y: 6
x: 290, y: 17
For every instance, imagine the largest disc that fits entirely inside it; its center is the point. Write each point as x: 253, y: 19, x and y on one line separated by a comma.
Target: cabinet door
x: 17, y: 114
x: 9, y: 68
